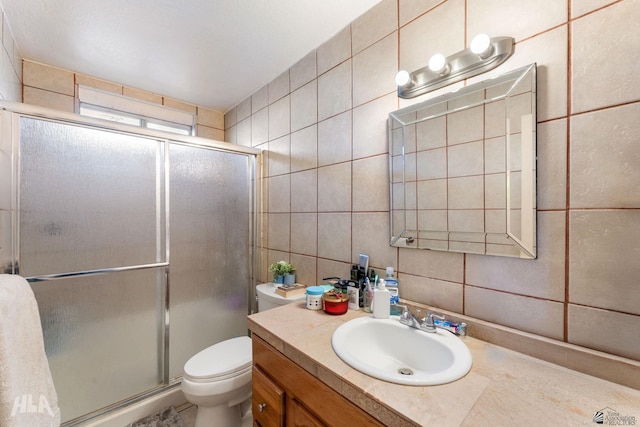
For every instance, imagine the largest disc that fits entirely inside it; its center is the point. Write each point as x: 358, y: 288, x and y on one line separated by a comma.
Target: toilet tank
x: 267, y: 297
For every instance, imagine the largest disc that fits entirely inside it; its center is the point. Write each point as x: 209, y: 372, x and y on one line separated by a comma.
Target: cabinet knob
x: 262, y: 407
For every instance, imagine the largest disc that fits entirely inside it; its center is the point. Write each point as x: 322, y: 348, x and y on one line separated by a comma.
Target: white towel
x: 27, y: 395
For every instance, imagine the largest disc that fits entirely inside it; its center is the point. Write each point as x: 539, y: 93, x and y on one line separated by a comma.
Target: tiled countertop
x: 503, y: 388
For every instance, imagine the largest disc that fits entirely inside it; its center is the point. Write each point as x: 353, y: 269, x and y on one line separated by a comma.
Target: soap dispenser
x: 381, y: 301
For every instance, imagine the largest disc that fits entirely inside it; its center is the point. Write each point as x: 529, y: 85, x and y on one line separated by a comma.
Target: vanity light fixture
x: 481, y: 46
x: 439, y: 65
x: 403, y: 78
x: 485, y: 53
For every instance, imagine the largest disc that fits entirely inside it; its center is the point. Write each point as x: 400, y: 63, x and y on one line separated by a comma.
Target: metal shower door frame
x: 10, y: 116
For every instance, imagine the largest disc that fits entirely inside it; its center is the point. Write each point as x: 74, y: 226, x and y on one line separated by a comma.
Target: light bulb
x: 438, y: 64
x: 481, y: 46
x: 403, y: 78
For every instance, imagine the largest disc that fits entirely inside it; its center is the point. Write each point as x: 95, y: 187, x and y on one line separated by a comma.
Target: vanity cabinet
x: 297, y: 415
x: 267, y: 400
x: 284, y: 394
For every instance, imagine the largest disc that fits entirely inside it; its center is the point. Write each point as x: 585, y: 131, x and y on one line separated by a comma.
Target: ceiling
x: 212, y: 53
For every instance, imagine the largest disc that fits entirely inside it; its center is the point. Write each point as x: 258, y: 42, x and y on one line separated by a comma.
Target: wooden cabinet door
x: 299, y: 416
x: 323, y: 402
x: 267, y: 401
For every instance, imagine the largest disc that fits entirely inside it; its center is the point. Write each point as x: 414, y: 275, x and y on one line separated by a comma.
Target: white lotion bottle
x: 381, y: 301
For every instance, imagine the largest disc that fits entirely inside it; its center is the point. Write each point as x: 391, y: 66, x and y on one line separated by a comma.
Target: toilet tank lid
x: 268, y: 292
x: 220, y: 359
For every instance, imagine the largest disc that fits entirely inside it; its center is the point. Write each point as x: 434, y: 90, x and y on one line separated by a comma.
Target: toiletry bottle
x: 354, y: 273
x: 353, y: 290
x: 367, y: 296
x: 381, y: 298
x: 392, y: 285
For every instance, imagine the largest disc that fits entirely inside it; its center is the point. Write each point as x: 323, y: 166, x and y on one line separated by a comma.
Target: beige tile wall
x: 56, y: 88
x: 10, y: 64
x: 327, y: 177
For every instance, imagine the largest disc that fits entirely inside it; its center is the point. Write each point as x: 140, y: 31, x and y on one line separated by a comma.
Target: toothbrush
x: 369, y: 292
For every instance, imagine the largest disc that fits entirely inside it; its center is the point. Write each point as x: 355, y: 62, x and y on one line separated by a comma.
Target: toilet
x: 268, y: 299
x: 218, y: 378
x: 218, y: 381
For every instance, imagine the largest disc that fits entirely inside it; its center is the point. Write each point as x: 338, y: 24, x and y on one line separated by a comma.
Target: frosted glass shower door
x: 92, y: 242
x: 138, y: 250
x: 88, y: 199
x: 209, y: 249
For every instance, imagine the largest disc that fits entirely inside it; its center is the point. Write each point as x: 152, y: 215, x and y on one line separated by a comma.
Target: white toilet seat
x: 218, y: 381
x: 217, y: 378
x: 227, y: 359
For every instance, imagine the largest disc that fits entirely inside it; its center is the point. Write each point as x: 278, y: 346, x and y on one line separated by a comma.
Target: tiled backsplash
x: 323, y: 124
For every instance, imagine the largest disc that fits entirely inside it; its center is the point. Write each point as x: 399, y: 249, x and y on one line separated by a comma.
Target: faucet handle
x: 405, y: 317
x: 405, y: 312
x: 431, y: 316
x: 428, y: 324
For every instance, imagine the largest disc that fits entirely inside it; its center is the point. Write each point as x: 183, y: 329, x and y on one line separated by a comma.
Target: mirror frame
x: 472, y: 202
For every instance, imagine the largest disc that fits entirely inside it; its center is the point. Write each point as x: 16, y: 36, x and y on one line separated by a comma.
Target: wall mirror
x: 463, y: 169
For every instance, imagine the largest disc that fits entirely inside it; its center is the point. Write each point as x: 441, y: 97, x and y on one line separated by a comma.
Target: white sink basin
x: 390, y: 351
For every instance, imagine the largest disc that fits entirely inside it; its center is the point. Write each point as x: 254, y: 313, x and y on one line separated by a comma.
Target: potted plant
x: 283, y: 273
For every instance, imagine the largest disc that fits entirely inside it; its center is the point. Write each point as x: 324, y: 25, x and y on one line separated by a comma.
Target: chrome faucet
x: 408, y: 318
x: 425, y: 324
x: 428, y: 324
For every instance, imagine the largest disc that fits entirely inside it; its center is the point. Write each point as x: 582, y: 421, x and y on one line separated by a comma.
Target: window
x: 109, y: 106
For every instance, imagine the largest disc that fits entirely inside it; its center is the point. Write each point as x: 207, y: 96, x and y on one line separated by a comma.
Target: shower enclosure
x: 138, y: 246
